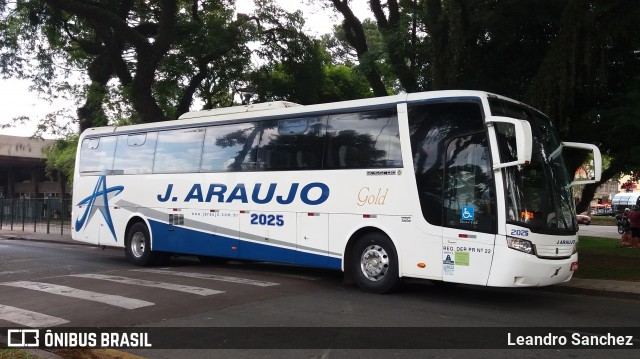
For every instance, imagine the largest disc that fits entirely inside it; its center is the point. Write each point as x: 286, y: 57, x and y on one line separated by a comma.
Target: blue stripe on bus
x: 175, y: 239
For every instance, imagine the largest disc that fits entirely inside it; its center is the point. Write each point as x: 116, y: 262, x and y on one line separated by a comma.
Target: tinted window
x: 431, y: 127
x: 96, y: 155
x: 293, y: 144
x: 179, y: 151
x: 230, y: 147
x: 505, y: 132
x: 510, y: 109
x: 363, y: 140
x: 538, y: 195
x: 134, y: 153
x: 469, y: 197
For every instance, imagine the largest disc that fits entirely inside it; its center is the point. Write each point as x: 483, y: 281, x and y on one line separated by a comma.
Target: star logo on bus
x: 98, y: 201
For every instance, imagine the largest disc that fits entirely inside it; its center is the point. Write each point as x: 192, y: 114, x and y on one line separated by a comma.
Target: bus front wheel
x: 375, y: 263
x: 138, y: 246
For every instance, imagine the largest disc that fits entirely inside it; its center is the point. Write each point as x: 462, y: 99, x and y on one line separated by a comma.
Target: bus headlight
x: 520, y: 244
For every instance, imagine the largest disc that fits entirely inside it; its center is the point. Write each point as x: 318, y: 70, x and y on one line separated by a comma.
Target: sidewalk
x: 38, y: 236
x: 610, y: 288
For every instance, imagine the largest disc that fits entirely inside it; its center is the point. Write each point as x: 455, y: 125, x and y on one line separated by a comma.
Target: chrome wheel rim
x: 138, y: 244
x: 374, y: 262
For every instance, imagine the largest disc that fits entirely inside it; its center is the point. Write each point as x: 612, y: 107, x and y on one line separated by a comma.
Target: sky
x: 16, y: 99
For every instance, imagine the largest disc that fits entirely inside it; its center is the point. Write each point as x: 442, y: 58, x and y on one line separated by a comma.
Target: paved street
x: 84, y: 286
x: 599, y: 231
x: 60, y: 285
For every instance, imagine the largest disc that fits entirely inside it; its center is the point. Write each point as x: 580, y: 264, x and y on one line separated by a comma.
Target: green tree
x: 343, y: 83
x: 341, y: 53
x: 589, y: 81
x: 296, y: 67
x: 161, y: 55
x: 575, y: 60
x: 61, y: 157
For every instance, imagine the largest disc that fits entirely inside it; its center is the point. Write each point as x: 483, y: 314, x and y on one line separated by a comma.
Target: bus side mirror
x: 597, y: 161
x: 524, y: 140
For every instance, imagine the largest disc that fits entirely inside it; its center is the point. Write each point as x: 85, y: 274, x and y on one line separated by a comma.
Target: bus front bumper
x: 512, y: 268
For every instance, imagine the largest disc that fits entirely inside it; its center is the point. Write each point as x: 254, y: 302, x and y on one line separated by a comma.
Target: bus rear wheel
x: 374, y: 264
x: 138, y: 246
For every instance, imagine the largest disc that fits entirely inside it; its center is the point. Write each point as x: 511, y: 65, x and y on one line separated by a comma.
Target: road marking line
x: 296, y: 276
x: 210, y: 277
x: 115, y: 300
x: 28, y: 318
x: 13, y: 271
x: 153, y: 284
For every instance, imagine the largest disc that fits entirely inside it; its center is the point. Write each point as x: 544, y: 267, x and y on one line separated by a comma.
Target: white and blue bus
x: 458, y: 186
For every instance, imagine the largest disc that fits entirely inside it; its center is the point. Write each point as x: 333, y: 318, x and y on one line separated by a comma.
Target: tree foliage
x: 143, y: 61
x: 578, y: 61
x: 149, y: 61
x: 61, y: 156
x: 161, y: 55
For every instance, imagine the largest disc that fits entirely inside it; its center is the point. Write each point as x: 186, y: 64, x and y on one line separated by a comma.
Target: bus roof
x: 281, y: 108
x: 238, y: 109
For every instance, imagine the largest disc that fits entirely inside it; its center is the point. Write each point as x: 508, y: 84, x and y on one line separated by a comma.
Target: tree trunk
x: 396, y: 49
x: 356, y: 38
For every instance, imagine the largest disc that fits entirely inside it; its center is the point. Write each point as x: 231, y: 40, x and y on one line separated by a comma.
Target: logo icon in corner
x: 100, y: 195
x: 21, y: 338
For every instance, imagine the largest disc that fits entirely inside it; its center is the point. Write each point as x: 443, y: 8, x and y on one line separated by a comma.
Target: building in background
x: 22, y: 170
x: 626, y: 185
x: 605, y: 193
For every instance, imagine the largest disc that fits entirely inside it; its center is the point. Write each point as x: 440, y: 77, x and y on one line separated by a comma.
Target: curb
x: 13, y: 237
x: 567, y: 289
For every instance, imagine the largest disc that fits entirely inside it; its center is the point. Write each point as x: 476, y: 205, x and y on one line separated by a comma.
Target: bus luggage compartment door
x: 466, y: 256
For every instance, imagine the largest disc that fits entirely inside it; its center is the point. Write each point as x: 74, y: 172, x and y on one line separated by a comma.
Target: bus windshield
x: 538, y: 195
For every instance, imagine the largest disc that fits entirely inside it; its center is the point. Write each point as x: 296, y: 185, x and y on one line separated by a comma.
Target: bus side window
x: 178, y: 151
x: 292, y: 144
x: 431, y: 126
x: 363, y: 140
x: 96, y: 156
x: 230, y: 148
x: 469, y: 195
x: 134, y: 153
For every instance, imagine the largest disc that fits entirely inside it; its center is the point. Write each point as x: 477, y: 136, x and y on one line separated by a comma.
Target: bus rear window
x: 96, y: 156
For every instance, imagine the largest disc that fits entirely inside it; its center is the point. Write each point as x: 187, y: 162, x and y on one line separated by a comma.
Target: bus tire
x: 374, y: 263
x: 138, y: 246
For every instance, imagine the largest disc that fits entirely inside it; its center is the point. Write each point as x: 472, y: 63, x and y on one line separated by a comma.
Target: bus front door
x: 466, y: 256
x: 469, y: 211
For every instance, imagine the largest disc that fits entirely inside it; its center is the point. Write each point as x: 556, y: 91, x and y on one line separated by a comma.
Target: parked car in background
x: 583, y: 219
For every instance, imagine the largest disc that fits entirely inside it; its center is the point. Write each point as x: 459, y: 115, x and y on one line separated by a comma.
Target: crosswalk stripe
x: 210, y: 277
x: 28, y: 318
x: 148, y: 283
x: 115, y: 300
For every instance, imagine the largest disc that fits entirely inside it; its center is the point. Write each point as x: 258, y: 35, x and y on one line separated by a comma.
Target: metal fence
x: 46, y: 215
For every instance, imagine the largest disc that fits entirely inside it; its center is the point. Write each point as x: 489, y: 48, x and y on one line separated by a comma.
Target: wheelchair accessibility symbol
x: 467, y: 214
